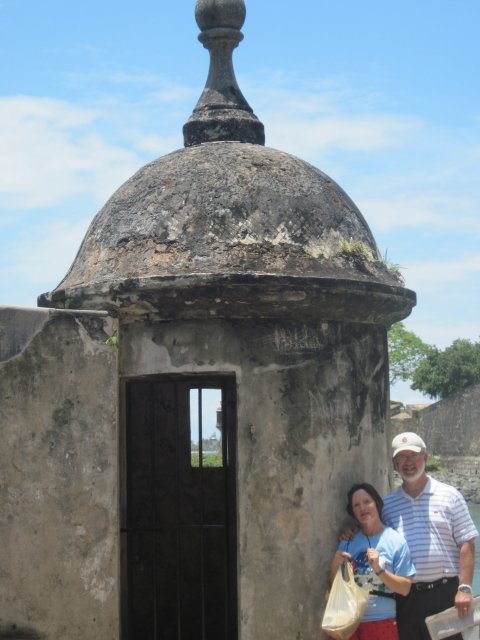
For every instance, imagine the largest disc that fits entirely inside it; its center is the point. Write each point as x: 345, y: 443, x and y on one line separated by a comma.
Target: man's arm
x: 467, y: 564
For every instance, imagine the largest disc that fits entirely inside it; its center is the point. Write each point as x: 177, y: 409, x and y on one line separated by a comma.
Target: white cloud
x: 50, y: 151
x: 162, y: 87
x: 45, y: 252
x: 422, y: 208
x: 157, y: 145
x: 318, y: 136
x: 398, y: 210
x: 176, y: 94
x: 325, y: 117
x: 151, y: 88
x: 442, y: 329
x: 434, y: 275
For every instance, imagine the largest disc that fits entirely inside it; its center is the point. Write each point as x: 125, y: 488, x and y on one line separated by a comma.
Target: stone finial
x: 222, y: 113
x: 229, y: 14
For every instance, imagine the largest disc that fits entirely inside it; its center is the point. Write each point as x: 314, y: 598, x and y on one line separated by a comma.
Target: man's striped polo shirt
x: 434, y: 524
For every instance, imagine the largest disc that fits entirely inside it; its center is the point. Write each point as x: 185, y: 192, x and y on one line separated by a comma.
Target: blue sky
x: 382, y: 95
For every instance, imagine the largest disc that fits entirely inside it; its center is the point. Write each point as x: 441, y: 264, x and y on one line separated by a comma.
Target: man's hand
x: 463, y: 599
x: 462, y: 602
x: 348, y: 533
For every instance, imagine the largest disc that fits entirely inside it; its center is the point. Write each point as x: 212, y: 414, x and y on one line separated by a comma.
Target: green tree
x: 405, y: 352
x: 442, y: 373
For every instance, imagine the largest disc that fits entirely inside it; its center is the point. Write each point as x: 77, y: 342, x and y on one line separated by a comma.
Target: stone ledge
x: 242, y: 296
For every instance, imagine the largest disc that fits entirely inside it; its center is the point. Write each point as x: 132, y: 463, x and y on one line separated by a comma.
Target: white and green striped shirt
x: 434, y: 524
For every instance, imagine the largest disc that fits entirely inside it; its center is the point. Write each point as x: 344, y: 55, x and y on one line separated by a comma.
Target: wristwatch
x: 465, y: 588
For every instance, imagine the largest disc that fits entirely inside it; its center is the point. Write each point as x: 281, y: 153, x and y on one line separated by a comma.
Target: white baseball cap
x: 407, y: 441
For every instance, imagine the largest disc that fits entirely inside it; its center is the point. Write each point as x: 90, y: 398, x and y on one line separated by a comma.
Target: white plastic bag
x: 346, y: 605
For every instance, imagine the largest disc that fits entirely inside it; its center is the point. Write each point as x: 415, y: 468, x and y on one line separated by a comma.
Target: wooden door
x: 179, y: 510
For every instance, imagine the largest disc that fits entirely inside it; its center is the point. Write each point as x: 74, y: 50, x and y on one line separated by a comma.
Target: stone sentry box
x: 222, y: 265
x: 310, y: 421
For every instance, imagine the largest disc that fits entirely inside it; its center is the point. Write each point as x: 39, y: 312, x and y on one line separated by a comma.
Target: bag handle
x: 349, y: 571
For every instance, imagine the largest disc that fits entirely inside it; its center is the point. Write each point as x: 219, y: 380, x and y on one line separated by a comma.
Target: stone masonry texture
x: 58, y: 483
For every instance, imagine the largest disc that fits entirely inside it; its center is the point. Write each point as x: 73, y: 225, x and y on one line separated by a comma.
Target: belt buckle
x: 425, y: 586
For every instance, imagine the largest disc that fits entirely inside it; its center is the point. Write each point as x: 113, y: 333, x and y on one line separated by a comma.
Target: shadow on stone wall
x: 12, y: 632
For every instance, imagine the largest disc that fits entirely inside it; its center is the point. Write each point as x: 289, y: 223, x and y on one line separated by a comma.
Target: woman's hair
x: 372, y: 492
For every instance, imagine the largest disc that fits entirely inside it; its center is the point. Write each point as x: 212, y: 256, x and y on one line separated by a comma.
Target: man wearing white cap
x: 434, y: 519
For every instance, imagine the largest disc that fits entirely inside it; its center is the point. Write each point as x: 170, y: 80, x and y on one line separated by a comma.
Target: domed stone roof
x: 227, y: 227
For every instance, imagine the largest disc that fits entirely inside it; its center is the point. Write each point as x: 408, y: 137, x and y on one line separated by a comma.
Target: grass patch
x: 211, y: 460
x: 433, y: 464
x: 359, y: 254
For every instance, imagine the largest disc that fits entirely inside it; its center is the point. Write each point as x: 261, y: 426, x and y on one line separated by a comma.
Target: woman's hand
x: 338, y: 559
x: 398, y: 584
x: 373, y: 558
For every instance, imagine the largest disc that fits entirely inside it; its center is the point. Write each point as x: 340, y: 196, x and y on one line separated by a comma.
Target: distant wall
x: 450, y: 427
x: 58, y: 476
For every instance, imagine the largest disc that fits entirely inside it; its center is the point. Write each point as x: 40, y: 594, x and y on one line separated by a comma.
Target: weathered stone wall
x: 58, y: 476
x: 311, y: 404
x: 311, y: 401
x: 450, y: 427
x: 462, y: 472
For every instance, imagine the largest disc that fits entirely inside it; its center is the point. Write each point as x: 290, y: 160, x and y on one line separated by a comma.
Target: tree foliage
x: 405, y: 351
x: 432, y: 371
x: 441, y: 373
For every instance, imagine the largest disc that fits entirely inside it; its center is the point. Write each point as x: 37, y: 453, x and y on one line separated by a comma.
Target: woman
x: 380, y: 558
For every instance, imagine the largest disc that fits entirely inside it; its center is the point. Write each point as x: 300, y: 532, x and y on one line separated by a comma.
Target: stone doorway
x: 178, y: 530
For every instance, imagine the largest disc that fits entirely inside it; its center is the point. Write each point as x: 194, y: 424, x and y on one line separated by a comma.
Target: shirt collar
x: 428, y: 489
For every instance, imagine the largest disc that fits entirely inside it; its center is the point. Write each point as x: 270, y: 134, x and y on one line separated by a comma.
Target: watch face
x: 465, y: 589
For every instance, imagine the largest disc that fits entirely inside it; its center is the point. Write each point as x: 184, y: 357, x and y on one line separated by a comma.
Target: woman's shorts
x: 377, y: 630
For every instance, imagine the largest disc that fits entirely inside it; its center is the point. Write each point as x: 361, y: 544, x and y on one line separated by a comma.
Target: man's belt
x: 428, y: 586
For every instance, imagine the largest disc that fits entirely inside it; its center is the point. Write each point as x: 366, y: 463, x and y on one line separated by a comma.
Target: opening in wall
x: 179, y: 509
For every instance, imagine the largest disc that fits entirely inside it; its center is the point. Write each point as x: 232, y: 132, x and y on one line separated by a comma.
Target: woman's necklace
x: 368, y: 539
x: 374, y: 534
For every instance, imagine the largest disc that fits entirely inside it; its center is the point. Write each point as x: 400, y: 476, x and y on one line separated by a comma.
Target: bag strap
x: 363, y: 534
